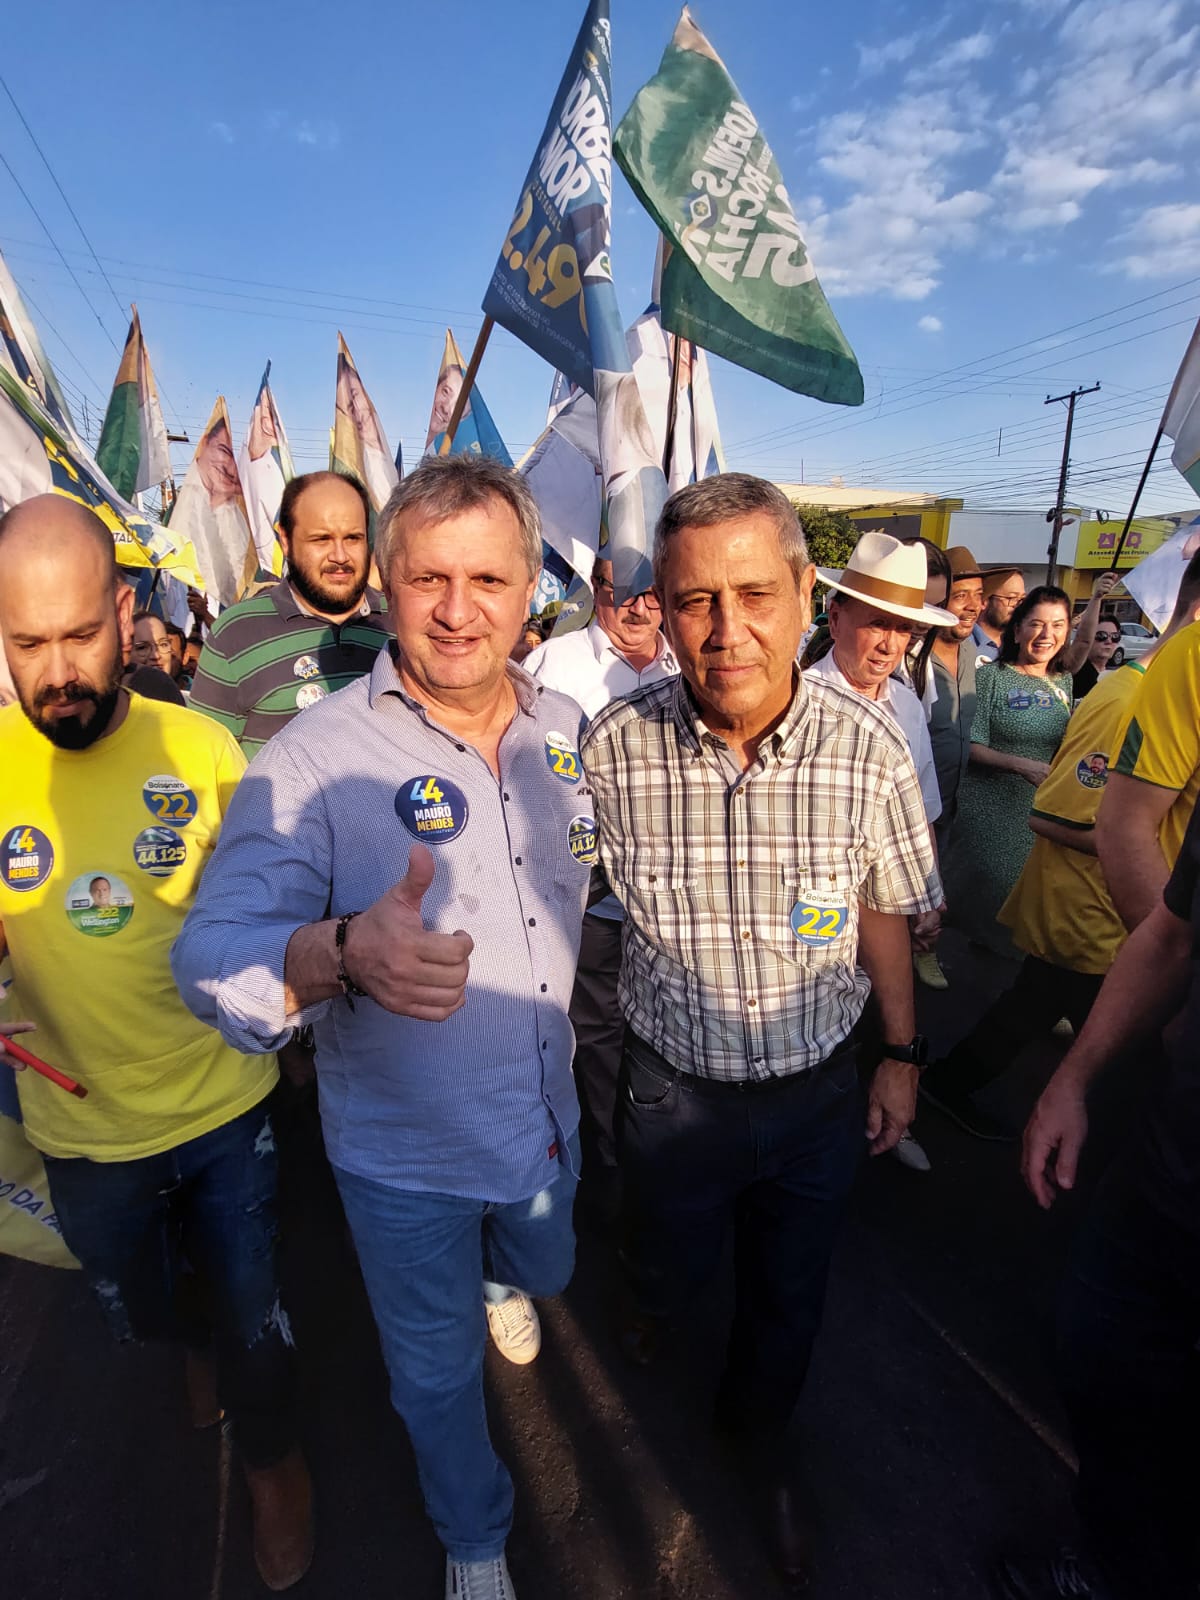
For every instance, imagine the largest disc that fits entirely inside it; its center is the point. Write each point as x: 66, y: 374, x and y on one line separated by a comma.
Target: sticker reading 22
x: 562, y: 758
x: 818, y: 919
x: 169, y: 800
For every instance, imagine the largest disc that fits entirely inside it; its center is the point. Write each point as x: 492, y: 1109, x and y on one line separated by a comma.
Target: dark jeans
x: 1041, y: 995
x: 1129, y: 1323
x: 212, y: 1199
x: 776, y: 1161
x: 599, y: 1037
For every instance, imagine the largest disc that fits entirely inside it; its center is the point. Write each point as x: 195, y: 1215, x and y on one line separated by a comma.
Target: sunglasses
x: 1106, y: 638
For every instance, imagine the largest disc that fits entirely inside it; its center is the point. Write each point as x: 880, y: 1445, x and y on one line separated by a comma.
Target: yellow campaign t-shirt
x: 1060, y: 909
x: 101, y: 851
x: 1160, y: 742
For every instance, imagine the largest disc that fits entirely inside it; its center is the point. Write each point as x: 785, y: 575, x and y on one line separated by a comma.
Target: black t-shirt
x: 1173, y: 1147
x: 1084, y: 680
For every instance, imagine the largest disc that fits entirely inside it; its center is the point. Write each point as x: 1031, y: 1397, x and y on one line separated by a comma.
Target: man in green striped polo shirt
x: 269, y: 657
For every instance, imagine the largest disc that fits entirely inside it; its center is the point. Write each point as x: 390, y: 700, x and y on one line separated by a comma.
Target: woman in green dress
x: 1022, y: 704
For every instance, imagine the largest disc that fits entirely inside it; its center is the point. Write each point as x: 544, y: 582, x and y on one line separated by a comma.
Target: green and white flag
x: 133, y: 451
x: 739, y: 282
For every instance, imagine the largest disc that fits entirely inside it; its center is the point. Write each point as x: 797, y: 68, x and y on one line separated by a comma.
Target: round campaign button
x: 562, y: 757
x: 1043, y: 699
x: 1092, y: 771
x: 159, y: 851
x: 170, y: 800
x: 26, y: 860
x: 305, y: 667
x: 433, y: 810
x: 818, y: 919
x: 581, y: 840
x: 99, y: 904
x: 308, y: 694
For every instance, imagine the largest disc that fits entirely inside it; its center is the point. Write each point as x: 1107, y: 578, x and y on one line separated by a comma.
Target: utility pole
x: 1053, y: 400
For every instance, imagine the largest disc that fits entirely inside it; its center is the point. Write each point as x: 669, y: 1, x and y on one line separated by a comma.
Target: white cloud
x: 1162, y: 242
x: 221, y: 131
x: 1170, y: 224
x: 322, y: 134
x: 873, y: 59
x: 930, y: 324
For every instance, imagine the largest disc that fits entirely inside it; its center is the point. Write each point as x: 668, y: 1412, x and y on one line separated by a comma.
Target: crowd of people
x: 639, y: 918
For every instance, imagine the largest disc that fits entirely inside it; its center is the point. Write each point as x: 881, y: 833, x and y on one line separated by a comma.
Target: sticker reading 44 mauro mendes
x: 433, y: 809
x: 26, y: 860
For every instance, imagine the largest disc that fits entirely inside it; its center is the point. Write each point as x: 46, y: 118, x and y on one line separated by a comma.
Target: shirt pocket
x: 819, y: 915
x: 657, y: 884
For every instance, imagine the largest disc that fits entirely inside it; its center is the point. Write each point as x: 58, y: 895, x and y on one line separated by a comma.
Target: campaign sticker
x: 818, y: 919
x: 433, y: 810
x: 562, y: 757
x: 1043, y: 699
x: 26, y: 860
x: 1019, y: 700
x: 581, y: 840
x: 305, y: 667
x: 99, y: 904
x: 308, y: 694
x: 170, y: 800
x: 159, y: 851
x: 1092, y: 771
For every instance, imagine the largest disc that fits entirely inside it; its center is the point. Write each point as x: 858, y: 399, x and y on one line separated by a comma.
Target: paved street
x: 931, y: 1433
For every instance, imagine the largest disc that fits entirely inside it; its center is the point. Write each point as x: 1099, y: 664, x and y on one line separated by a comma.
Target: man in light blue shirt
x: 405, y: 867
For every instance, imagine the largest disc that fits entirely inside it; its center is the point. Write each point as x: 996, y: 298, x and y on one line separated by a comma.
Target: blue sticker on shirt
x: 1019, y: 700
x: 170, y: 800
x: 1092, y: 771
x: 562, y: 757
x: 433, y: 810
x: 26, y: 860
x: 1043, y: 699
x: 818, y: 919
x: 581, y: 840
x: 305, y: 667
x: 160, y: 851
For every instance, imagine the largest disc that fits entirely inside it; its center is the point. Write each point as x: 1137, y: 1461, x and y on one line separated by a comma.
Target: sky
x: 999, y: 197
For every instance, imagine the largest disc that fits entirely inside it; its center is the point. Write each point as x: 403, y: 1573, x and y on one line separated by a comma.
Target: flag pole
x: 672, y: 411
x: 1136, y: 497
x: 468, y: 383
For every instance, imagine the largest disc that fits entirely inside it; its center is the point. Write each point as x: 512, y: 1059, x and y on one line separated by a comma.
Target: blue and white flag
x: 476, y: 433
x: 553, y: 288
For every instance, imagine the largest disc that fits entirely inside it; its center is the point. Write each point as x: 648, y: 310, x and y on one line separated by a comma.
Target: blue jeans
x: 211, y: 1201
x: 424, y: 1259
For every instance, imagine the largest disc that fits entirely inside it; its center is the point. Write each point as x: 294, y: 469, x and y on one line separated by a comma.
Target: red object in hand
x: 28, y: 1059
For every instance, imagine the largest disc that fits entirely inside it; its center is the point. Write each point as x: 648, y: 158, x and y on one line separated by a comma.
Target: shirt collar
x: 827, y: 667
x: 787, y: 737
x: 289, y: 605
x: 385, y: 680
x: 602, y: 645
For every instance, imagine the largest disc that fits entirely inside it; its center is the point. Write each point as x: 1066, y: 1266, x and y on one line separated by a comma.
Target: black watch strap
x: 349, y: 987
x: 916, y: 1051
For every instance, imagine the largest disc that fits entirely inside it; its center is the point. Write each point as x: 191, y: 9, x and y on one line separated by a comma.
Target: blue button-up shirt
x: 482, y: 1104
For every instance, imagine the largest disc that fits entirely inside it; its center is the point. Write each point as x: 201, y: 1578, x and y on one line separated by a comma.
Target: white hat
x: 890, y: 575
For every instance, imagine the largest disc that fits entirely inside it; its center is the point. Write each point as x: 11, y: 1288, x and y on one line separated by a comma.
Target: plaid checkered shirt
x: 742, y: 889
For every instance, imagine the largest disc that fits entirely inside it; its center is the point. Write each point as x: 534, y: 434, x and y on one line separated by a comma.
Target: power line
x: 61, y: 190
x: 45, y: 229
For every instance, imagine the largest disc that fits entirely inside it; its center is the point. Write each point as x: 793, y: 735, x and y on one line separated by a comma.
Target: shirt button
x: 745, y: 933
x: 545, y: 1044
x: 517, y: 859
x: 461, y: 748
x: 506, y: 799
x: 752, y: 1002
x: 544, y: 988
x: 533, y: 922
x: 653, y: 877
x: 741, y: 863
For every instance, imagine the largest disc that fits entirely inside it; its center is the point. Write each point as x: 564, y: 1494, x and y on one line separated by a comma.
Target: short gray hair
x: 443, y: 486
x: 721, y: 499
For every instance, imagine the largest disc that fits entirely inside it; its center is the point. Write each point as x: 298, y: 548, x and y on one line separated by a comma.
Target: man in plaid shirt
x: 767, y: 839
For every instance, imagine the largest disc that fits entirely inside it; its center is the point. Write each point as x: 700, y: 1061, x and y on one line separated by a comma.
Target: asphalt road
x: 930, y: 1430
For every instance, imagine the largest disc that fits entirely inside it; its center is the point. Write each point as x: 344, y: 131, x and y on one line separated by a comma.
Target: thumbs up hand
x: 401, y: 965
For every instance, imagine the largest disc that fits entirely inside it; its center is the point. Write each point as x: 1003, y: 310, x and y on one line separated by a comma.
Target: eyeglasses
x: 648, y: 599
x: 150, y: 648
x: 1106, y: 638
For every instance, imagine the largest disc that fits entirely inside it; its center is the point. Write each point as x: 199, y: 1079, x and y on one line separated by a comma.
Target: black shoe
x: 961, y: 1109
x: 1062, y: 1576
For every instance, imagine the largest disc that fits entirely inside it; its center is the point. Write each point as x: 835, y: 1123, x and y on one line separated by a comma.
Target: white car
x: 1135, y: 641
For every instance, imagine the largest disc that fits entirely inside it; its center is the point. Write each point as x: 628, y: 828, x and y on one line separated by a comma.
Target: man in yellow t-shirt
x: 110, y: 805
x: 1155, y: 779
x: 1061, y: 911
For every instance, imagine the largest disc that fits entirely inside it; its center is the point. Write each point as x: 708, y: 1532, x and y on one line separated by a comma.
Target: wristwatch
x: 916, y: 1051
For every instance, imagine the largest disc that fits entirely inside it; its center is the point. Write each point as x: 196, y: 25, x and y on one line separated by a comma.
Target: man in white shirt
x: 621, y: 650
x: 873, y: 606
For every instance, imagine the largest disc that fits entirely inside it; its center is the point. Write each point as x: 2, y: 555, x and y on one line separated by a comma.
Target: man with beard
x: 110, y: 806
x: 317, y: 630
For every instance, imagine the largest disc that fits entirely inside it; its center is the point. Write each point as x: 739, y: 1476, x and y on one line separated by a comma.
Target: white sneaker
x: 478, y: 1580
x: 910, y: 1154
x: 516, y: 1332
